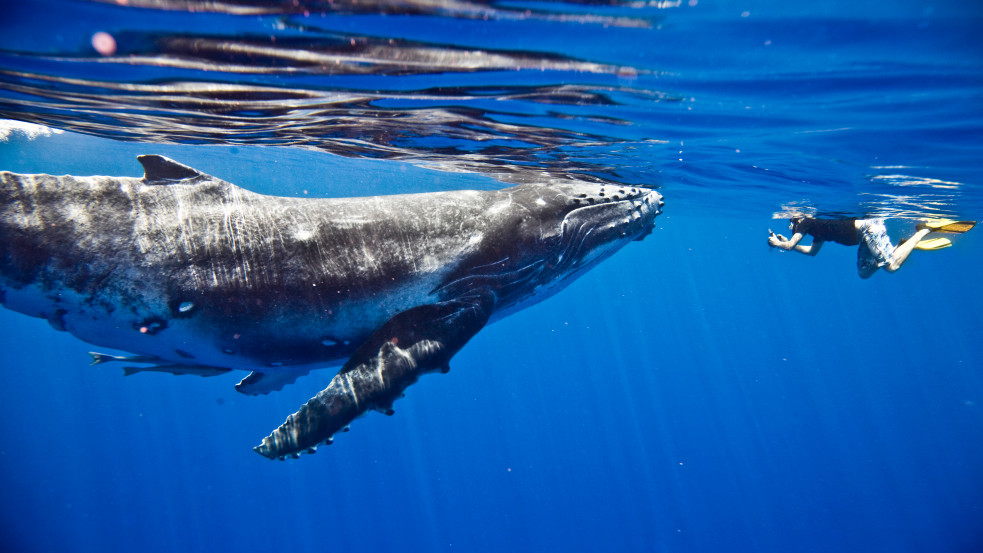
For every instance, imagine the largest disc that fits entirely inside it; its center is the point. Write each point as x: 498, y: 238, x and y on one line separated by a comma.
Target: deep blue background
x: 696, y: 392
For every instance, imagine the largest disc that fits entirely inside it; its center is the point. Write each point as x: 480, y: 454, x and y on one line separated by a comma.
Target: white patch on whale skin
x: 499, y: 207
x: 78, y: 215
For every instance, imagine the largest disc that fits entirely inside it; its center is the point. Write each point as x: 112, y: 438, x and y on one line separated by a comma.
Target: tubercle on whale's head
x: 583, y: 223
x: 619, y: 211
x: 601, y: 219
x: 549, y: 203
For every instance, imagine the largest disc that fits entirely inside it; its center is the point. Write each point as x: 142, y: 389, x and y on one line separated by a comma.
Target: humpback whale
x: 195, y: 275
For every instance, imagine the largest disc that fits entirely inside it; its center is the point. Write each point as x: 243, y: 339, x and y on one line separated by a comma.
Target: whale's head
x: 545, y: 236
x: 593, y: 221
x: 583, y: 224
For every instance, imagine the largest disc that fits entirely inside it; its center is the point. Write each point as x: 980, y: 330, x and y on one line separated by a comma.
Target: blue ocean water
x: 696, y: 392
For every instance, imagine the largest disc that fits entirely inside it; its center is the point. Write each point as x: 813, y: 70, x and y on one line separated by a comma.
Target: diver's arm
x: 811, y: 249
x: 779, y: 241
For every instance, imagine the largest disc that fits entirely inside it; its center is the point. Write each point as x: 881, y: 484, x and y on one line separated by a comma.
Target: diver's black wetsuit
x: 841, y: 231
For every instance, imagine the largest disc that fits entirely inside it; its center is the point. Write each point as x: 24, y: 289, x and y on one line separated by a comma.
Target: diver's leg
x: 903, y: 250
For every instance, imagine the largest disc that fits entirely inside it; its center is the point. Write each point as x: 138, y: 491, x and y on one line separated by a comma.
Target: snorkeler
x: 875, y: 248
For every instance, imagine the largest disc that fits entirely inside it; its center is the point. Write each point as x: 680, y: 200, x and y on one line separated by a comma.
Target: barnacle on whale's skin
x: 197, y: 276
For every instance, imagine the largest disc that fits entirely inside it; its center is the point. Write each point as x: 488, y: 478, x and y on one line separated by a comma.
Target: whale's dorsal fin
x: 163, y: 170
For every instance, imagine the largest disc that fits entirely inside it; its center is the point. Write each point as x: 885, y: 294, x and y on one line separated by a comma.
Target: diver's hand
x: 776, y: 240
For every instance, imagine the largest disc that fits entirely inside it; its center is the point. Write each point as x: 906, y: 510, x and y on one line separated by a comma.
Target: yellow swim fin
x: 947, y: 225
x: 933, y: 244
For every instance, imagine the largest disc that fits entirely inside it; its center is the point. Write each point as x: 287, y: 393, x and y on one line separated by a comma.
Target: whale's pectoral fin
x: 257, y: 383
x: 413, y: 343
